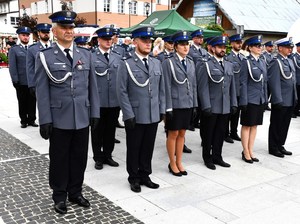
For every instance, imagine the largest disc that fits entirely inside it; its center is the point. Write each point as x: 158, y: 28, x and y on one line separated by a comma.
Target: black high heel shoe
x: 179, y: 174
x: 183, y: 172
x: 255, y: 159
x: 246, y: 160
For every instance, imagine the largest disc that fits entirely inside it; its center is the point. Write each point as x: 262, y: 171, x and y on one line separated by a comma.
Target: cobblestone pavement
x: 26, y: 197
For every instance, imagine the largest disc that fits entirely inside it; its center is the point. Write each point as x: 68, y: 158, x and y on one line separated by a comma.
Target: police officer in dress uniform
x: 181, y: 99
x: 196, y: 50
x: 267, y: 55
x: 68, y: 102
x: 168, y: 48
x: 253, y: 96
x: 106, y: 63
x: 235, y: 57
x: 17, y: 70
x: 81, y: 41
x: 141, y: 94
x: 216, y: 91
x: 282, y: 84
x: 209, y: 47
x: 296, y: 60
x: 43, y: 30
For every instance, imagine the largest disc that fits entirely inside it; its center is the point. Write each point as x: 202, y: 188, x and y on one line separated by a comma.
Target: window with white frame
x: 106, y: 5
x: 120, y: 6
x: 36, y: 8
x: 46, y: 6
x: 14, y: 20
x: 134, y: 8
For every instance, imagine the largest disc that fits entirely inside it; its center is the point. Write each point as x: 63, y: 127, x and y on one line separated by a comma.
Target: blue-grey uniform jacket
x: 17, y: 64
x: 147, y: 102
x: 296, y: 60
x: 213, y: 93
x: 282, y: 86
x: 237, y: 62
x: 163, y: 55
x: 253, y: 87
x: 181, y: 87
x: 70, y: 104
x: 197, y: 54
x: 119, y: 49
x: 30, y: 62
x: 267, y: 57
x: 106, y: 75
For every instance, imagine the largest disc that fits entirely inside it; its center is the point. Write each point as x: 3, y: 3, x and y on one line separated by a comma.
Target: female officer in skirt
x: 253, y: 95
x: 181, y: 98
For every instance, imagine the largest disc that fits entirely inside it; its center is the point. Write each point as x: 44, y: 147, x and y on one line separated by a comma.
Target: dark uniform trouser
x: 104, y: 133
x: 233, y: 121
x: 68, y: 159
x: 297, y: 107
x: 279, y: 126
x: 140, y: 144
x: 27, y: 104
x: 213, y: 131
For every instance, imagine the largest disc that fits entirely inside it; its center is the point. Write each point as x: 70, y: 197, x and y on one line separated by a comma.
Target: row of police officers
x: 76, y: 88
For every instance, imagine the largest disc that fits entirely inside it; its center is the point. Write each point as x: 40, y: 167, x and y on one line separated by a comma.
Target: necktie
x: 69, y: 56
x: 183, y: 64
x: 25, y: 47
x: 106, y: 56
x: 239, y: 56
x: 46, y: 45
x: 200, y: 51
x: 146, y: 64
x: 221, y: 63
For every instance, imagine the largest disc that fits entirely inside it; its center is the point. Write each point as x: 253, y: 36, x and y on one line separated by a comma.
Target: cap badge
x: 69, y: 14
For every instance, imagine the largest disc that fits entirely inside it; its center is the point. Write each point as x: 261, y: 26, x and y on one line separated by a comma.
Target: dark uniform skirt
x: 253, y: 115
x: 181, y: 119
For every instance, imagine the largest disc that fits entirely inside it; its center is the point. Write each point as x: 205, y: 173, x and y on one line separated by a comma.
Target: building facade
x: 122, y: 13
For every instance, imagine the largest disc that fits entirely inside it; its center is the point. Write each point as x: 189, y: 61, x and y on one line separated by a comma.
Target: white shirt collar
x: 141, y: 57
x: 180, y: 58
x: 62, y: 49
x: 43, y: 44
x: 102, y: 51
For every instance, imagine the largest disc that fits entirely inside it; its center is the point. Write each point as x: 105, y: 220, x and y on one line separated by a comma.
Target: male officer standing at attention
x: 196, y: 50
x: 267, y: 55
x: 216, y: 91
x: 17, y: 70
x: 235, y: 57
x: 43, y: 30
x: 282, y: 85
x: 68, y: 102
x: 296, y: 59
x: 141, y: 94
x: 106, y: 63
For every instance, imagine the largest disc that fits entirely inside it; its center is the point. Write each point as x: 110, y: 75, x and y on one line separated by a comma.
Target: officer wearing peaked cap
x: 253, y: 95
x: 141, y: 94
x: 106, y: 63
x: 17, y: 70
x: 235, y: 57
x: 115, y: 43
x: 81, y: 41
x: 168, y: 48
x: 296, y: 60
x: 217, y: 94
x: 282, y: 85
x: 181, y: 99
x: 208, y: 46
x: 196, y: 50
x: 267, y: 55
x: 43, y: 30
x: 68, y: 103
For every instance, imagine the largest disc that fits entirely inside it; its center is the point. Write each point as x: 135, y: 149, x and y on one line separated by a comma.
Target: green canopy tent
x: 167, y: 22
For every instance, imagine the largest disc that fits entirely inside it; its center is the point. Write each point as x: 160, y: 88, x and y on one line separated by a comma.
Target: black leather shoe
x: 277, y: 154
x: 210, y: 166
x: 228, y: 139
x: 120, y: 126
x: 246, y: 160
x: 150, y: 184
x: 81, y: 201
x: 179, y: 174
x: 255, y: 159
x: 221, y: 163
x: 285, y: 152
x: 186, y: 149
x: 23, y: 125
x: 60, y: 207
x: 235, y: 137
x: 33, y: 124
x: 184, y: 173
x: 111, y: 162
x: 98, y: 165
x: 117, y: 141
x: 135, y: 187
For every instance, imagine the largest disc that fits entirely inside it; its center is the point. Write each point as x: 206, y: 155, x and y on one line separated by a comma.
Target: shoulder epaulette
x: 189, y: 57
x: 115, y: 52
x: 45, y: 49
x: 80, y: 47
x: 34, y: 44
